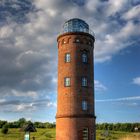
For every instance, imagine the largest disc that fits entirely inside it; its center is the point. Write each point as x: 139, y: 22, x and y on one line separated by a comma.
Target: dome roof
x: 75, y: 25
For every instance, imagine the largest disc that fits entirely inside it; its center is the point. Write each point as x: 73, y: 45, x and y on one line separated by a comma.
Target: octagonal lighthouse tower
x: 75, y: 118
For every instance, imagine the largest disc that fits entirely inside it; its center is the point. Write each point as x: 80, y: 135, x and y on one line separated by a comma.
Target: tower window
x: 85, y: 134
x: 77, y: 40
x: 67, y: 57
x: 67, y: 81
x: 84, y: 81
x: 84, y: 105
x: 63, y: 42
x: 84, y: 58
x: 90, y: 43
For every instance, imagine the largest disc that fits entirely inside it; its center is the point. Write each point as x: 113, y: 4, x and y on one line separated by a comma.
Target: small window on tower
x: 67, y: 81
x: 67, y: 57
x: 84, y: 105
x: 84, y: 58
x: 63, y: 42
x: 77, y: 40
x: 84, y: 82
x: 85, y: 134
x: 90, y: 43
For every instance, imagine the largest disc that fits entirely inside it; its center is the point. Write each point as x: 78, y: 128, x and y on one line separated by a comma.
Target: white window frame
x: 67, y: 57
x: 84, y: 58
x: 84, y: 105
x: 67, y: 81
x: 84, y: 82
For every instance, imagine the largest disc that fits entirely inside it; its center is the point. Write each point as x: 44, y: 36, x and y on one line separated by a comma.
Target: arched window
x: 84, y: 58
x: 85, y: 134
x: 90, y: 43
x: 63, y: 42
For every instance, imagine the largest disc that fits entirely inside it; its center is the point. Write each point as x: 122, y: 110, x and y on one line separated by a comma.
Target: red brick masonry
x: 70, y: 118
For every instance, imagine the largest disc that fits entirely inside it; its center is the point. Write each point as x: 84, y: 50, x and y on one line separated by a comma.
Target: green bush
x: 4, y: 129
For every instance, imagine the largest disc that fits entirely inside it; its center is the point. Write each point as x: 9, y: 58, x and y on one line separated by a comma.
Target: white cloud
x: 120, y: 99
x: 28, y: 51
x: 99, y: 86
x: 132, y: 13
x: 134, y: 104
x: 136, y: 81
x: 24, y: 107
x: 91, y: 5
x: 5, y: 32
x: 116, y: 6
x: 27, y: 105
x: 117, y: 40
x: 110, y: 7
x: 51, y: 104
x: 128, y: 103
x: 2, y: 100
x: 31, y: 94
x: 129, y: 30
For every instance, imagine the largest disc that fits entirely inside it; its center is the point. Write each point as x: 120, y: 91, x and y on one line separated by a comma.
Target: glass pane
x: 84, y: 81
x: 67, y: 81
x: 84, y: 105
x: 75, y: 25
x: 67, y: 57
x: 84, y: 58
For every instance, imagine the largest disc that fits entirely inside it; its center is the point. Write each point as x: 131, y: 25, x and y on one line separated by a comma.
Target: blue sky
x: 28, y: 57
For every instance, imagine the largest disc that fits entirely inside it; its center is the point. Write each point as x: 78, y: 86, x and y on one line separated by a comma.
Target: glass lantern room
x: 75, y: 25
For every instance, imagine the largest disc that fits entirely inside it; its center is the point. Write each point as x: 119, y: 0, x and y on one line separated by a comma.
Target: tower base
x: 75, y: 129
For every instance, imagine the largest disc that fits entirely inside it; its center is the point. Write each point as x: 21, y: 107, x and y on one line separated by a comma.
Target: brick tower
x: 75, y: 118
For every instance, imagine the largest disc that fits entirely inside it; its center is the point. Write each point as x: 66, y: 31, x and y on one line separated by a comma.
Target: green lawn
x: 117, y: 135
x: 49, y: 134
x: 13, y: 134
x: 41, y: 134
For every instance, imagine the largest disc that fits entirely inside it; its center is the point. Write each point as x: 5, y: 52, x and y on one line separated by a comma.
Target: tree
x: 2, y: 123
x: 4, y: 129
x: 21, y: 122
x: 50, y: 125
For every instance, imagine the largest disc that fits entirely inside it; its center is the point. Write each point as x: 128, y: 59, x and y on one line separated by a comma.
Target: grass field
x: 117, y: 135
x: 49, y: 134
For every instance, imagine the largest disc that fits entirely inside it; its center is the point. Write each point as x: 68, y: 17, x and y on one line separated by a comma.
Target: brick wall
x: 70, y: 118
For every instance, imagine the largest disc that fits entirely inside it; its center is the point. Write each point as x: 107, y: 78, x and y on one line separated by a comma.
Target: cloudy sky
x: 28, y: 57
